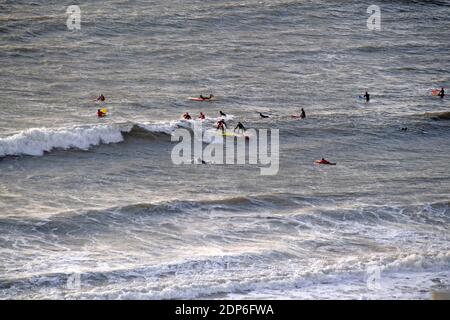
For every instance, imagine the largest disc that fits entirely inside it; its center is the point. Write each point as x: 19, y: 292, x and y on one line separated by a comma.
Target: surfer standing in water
x: 101, y: 98
x: 239, y: 127
x: 367, y: 96
x: 221, y: 125
x: 441, y: 93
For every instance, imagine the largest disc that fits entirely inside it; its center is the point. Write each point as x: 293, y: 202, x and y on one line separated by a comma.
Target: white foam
x: 36, y: 141
x: 167, y: 127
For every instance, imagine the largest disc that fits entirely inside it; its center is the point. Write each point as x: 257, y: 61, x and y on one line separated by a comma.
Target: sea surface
x: 94, y: 208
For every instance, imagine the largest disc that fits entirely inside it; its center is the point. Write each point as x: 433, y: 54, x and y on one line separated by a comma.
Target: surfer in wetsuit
x: 222, y: 114
x: 263, y: 115
x: 201, y: 116
x: 101, y: 98
x: 302, y: 114
x: 187, y: 116
x: 239, y: 127
x: 100, y: 113
x: 323, y: 161
x: 206, y: 98
x: 441, y: 93
x: 367, y: 96
x: 221, y: 125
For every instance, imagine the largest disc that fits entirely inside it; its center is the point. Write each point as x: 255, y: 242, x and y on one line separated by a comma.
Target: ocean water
x: 95, y: 209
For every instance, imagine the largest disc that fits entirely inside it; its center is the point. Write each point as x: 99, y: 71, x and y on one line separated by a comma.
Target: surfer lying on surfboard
x: 206, y: 98
x: 263, y: 115
x: 323, y: 161
x: 187, y: 116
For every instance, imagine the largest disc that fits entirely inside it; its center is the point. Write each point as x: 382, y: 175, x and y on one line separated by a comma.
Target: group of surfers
x: 221, y: 124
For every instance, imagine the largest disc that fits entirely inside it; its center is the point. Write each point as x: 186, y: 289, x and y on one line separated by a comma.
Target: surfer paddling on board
x: 239, y: 127
x: 323, y: 161
x: 263, y: 115
x: 206, y: 98
x: 222, y: 114
x: 221, y: 125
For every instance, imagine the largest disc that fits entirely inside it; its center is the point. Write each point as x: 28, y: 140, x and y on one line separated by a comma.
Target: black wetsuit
x: 442, y: 93
x: 367, y: 96
x: 303, y: 114
x: 240, y: 126
x: 222, y: 114
x: 263, y: 116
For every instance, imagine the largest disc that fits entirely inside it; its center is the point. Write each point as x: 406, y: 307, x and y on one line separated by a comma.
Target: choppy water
x: 100, y: 201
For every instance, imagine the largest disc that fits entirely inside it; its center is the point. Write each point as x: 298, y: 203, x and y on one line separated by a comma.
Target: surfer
x: 206, y: 98
x: 221, y: 125
x: 367, y: 96
x: 239, y: 127
x: 302, y: 114
x: 101, y: 98
x: 441, y: 93
x: 323, y: 161
x: 201, y: 116
x: 100, y: 113
x: 222, y: 114
x: 187, y: 116
x: 263, y: 115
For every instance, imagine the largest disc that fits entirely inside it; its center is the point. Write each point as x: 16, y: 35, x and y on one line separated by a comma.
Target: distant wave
x: 318, y: 210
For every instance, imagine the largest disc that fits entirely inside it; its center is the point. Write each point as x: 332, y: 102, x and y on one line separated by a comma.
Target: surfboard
x: 200, y: 99
x: 229, y: 134
x: 435, y: 92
